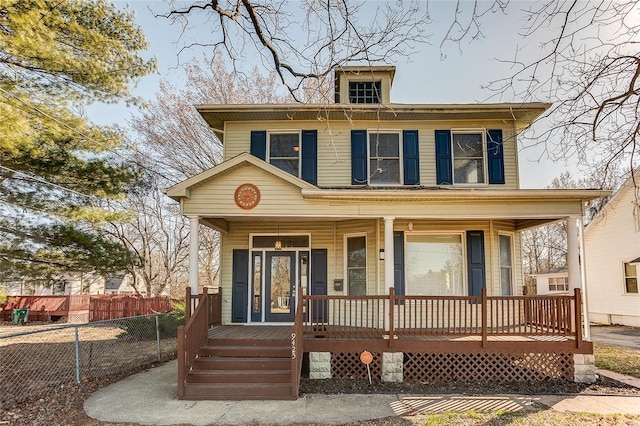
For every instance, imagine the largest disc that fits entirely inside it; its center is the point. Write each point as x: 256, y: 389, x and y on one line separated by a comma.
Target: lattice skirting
x: 348, y: 366
x: 430, y: 367
x: 78, y: 317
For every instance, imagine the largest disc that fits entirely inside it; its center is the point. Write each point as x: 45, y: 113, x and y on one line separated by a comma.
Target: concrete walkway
x: 616, y: 335
x: 150, y: 398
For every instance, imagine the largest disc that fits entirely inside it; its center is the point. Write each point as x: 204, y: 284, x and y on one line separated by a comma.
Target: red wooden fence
x: 93, y: 308
x: 103, y: 308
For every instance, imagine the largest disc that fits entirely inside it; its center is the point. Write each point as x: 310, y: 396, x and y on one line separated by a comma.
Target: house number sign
x: 247, y: 196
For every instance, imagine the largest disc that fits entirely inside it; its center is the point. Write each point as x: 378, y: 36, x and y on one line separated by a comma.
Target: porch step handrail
x: 192, y: 336
x: 395, y: 316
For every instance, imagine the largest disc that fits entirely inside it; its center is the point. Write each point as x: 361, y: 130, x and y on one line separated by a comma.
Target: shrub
x: 3, y: 296
x: 144, y: 328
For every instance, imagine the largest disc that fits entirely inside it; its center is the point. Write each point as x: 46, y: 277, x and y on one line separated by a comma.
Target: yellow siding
x: 331, y: 236
x: 279, y: 198
x: 334, y: 145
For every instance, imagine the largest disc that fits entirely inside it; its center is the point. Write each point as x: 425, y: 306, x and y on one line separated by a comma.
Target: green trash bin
x: 20, y: 316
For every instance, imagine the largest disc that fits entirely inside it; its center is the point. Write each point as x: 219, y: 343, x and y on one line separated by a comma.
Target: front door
x: 280, y: 270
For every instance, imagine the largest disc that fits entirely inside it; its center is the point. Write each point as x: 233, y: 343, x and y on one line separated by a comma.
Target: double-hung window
x: 469, y: 159
x: 558, y: 284
x: 384, y: 158
x: 506, y: 265
x: 356, y: 264
x: 284, y: 151
x: 631, y: 278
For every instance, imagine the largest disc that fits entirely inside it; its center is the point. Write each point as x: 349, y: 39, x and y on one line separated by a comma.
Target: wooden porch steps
x: 234, y: 369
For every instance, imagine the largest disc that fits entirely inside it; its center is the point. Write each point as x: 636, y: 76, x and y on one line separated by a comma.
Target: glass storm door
x: 280, y: 285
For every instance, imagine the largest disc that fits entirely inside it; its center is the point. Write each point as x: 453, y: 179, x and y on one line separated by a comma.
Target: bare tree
x: 174, y: 139
x: 545, y: 248
x: 306, y: 39
x: 588, y: 65
x: 156, y: 239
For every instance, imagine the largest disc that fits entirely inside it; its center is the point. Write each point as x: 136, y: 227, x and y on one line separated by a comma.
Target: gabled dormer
x: 364, y: 84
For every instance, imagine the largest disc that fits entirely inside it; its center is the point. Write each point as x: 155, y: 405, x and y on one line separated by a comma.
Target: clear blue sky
x: 421, y: 78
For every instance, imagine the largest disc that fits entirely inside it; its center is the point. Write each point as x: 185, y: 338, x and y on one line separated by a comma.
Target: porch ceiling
x: 222, y: 224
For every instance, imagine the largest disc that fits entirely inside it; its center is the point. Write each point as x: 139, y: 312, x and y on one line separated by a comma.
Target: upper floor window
x: 468, y: 157
x: 631, y: 278
x: 364, y: 92
x: 284, y: 151
x: 559, y: 284
x: 384, y: 158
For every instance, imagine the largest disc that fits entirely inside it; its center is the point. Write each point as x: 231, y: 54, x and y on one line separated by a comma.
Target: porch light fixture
x: 278, y: 243
x: 410, y: 226
x: 381, y: 254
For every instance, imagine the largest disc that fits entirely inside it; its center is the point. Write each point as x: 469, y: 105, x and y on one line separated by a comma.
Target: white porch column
x: 194, y: 243
x: 388, y: 251
x: 583, y: 274
x: 573, y: 260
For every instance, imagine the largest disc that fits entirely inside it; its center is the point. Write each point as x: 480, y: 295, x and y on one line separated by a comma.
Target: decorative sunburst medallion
x: 247, y: 196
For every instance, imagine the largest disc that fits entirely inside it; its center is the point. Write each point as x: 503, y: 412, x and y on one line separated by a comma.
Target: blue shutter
x: 240, y: 285
x: 359, y: 157
x: 495, y: 156
x: 310, y: 156
x: 443, y: 157
x: 411, y: 158
x: 259, y: 144
x: 319, y: 280
x: 475, y: 262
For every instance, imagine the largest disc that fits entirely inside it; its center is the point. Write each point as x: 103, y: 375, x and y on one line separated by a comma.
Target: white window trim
x: 288, y: 132
x: 264, y: 250
x: 566, y: 279
x: 511, y: 235
x: 483, y: 133
x: 624, y: 279
x: 345, y: 254
x: 400, y: 156
x: 463, y: 240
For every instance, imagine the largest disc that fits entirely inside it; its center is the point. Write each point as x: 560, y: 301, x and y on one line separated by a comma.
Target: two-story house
x: 394, y: 228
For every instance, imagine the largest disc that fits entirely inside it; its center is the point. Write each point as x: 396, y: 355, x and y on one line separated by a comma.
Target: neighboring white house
x: 612, y: 242
x: 554, y: 281
x: 72, y: 284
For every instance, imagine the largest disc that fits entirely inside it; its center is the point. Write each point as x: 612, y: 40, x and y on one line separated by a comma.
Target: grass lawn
x: 617, y: 358
x: 541, y: 418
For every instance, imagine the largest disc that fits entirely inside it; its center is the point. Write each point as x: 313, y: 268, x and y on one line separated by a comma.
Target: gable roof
x: 618, y: 194
x: 182, y: 189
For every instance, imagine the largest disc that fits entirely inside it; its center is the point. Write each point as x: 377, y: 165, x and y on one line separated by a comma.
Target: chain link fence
x: 36, y: 363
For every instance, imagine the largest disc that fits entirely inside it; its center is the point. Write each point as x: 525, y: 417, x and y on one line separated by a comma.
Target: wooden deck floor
x: 258, y: 332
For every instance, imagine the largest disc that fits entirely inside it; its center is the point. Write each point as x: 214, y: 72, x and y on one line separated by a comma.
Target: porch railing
x: 409, y: 316
x: 201, y: 312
